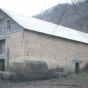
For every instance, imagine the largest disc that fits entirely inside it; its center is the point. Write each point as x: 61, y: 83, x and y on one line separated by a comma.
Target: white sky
x: 29, y: 7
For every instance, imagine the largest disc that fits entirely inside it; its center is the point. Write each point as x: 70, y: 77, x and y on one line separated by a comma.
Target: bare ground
x: 72, y: 81
x: 43, y: 84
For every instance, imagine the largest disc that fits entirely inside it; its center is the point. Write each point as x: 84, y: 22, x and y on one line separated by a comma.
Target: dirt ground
x: 55, y: 83
x: 73, y: 81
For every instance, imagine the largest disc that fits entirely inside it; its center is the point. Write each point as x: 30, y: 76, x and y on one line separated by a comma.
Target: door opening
x: 2, y: 46
x: 77, y: 68
x: 2, y: 64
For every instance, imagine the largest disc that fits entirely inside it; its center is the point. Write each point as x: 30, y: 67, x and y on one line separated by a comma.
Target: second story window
x: 8, y: 24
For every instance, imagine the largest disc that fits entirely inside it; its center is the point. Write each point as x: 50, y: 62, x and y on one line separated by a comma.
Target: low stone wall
x: 7, y: 75
x: 34, y: 70
x: 29, y: 69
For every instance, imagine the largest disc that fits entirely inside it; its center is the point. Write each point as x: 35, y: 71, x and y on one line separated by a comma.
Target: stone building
x: 24, y: 39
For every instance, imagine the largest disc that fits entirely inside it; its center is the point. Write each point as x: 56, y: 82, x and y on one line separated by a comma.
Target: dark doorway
x: 77, y: 68
x: 2, y: 46
x: 2, y: 65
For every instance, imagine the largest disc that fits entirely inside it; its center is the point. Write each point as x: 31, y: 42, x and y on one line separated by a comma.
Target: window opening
x: 8, y: 24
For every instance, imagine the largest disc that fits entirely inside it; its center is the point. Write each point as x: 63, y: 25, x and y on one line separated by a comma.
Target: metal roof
x: 34, y: 24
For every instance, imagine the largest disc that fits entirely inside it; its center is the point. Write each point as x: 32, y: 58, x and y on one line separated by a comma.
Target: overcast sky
x: 29, y: 7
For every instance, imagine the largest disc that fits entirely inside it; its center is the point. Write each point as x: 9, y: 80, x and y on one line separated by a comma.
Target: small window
x: 8, y: 24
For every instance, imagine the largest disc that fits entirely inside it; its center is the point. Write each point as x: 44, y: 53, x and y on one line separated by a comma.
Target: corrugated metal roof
x: 34, y: 24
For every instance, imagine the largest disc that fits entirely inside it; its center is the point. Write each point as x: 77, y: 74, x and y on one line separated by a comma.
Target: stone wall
x: 55, y: 51
x: 15, y: 44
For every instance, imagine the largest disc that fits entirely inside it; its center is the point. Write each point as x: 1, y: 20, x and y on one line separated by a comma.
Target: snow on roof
x: 34, y: 24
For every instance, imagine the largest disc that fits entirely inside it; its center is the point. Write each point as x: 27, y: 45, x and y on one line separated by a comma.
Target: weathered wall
x: 56, y: 52
x: 14, y: 46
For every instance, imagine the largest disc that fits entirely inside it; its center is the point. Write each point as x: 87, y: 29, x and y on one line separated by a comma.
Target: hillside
x: 75, y: 16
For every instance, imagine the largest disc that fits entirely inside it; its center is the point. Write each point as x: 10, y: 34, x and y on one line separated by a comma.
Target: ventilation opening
x: 77, y: 68
x: 2, y: 65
